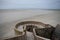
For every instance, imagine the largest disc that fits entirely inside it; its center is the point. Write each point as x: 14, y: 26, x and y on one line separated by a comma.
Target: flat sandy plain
x: 7, y: 29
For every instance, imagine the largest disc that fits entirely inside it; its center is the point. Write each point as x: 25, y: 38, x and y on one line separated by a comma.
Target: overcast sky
x: 26, y: 4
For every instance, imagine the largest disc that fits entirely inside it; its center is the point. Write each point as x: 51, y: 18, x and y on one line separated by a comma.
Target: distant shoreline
x: 33, y: 9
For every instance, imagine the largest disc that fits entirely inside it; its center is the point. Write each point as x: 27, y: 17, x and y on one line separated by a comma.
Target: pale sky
x: 27, y: 4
